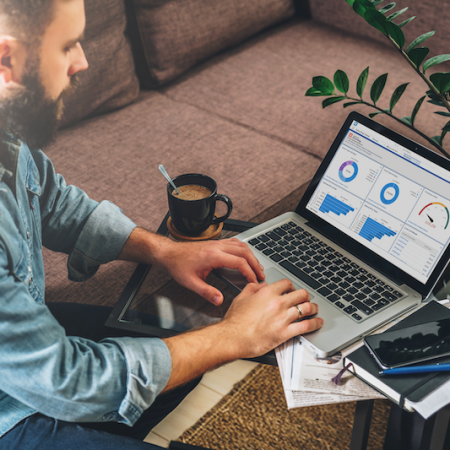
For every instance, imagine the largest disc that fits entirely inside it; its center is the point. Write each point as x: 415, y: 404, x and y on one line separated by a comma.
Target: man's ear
x: 12, y: 59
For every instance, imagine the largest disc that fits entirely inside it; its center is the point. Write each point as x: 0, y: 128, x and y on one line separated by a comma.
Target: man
x: 59, y: 390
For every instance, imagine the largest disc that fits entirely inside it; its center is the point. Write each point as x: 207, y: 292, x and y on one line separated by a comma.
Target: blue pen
x: 417, y: 369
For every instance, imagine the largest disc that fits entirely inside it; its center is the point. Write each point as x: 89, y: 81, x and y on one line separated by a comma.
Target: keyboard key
x: 280, y: 231
x: 268, y: 251
x: 273, y: 236
x: 389, y: 296
x: 261, y: 246
x: 293, y: 259
x: 356, y: 316
x: 286, y: 254
x: 339, y: 304
x: 350, y: 309
x: 333, y: 298
x: 348, y: 297
x: 264, y: 238
x: 324, y: 291
x: 369, y: 302
x: 286, y: 226
x: 253, y: 241
x: 276, y: 257
x: 300, y: 274
x: 362, y: 307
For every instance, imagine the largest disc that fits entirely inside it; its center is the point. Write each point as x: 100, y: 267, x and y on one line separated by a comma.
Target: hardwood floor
x: 213, y: 387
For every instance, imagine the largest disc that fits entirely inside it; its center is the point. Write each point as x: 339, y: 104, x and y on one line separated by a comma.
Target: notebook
x: 405, y: 390
x: 369, y: 238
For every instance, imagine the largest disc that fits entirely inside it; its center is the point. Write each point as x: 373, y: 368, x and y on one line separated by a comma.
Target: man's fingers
x: 302, y: 310
x: 240, y: 249
x: 207, y: 291
x: 305, y: 326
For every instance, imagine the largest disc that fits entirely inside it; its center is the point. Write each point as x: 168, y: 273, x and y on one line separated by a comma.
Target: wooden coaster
x: 212, y: 232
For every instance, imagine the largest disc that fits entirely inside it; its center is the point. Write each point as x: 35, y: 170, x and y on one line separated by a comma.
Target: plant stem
x: 412, y: 127
x: 421, y: 74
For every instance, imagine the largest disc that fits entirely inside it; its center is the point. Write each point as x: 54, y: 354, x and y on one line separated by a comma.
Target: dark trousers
x: 39, y: 431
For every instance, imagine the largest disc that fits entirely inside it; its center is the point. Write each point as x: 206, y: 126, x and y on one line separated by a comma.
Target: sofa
x: 216, y: 87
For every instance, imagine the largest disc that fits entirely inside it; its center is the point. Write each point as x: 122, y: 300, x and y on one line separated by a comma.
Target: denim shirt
x: 41, y: 369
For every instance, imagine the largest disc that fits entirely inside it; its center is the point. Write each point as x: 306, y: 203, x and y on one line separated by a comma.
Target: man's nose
x: 80, y: 62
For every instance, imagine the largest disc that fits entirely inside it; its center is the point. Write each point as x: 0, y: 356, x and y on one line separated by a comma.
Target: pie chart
x: 389, y: 193
x: 348, y: 171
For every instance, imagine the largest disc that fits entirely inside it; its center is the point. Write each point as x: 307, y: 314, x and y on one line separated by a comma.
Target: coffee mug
x: 193, y: 212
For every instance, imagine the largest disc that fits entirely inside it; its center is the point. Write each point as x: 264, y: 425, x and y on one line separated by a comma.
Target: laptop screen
x: 388, y: 198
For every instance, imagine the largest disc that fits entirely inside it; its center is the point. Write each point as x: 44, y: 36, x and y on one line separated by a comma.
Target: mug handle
x: 227, y: 201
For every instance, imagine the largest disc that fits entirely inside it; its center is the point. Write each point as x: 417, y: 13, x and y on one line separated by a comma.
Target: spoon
x: 166, y: 176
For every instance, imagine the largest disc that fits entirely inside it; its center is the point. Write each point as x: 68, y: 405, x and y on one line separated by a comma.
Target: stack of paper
x: 307, y: 379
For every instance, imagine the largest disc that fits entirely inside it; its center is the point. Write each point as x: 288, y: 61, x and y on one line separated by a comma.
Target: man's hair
x: 25, y: 20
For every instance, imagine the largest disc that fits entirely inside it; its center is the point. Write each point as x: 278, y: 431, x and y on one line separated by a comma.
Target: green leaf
x: 323, y: 84
x: 346, y: 105
x: 441, y: 81
x: 441, y: 113
x: 387, y: 8
x: 396, y: 14
x: 377, y: 2
x: 361, y: 6
x: 434, y: 61
x: 405, y: 22
x: 395, y: 32
x: 434, y: 96
x: 350, y: 2
x: 376, y: 19
x: 406, y: 119
x: 416, y: 42
x: 341, y: 81
x: 313, y: 92
x: 372, y: 115
x: 417, y: 55
x: 437, y: 103
x: 331, y: 100
x: 437, y: 139
x: 362, y: 80
x: 446, y: 127
x: 396, y: 95
x: 377, y: 88
x: 416, y: 109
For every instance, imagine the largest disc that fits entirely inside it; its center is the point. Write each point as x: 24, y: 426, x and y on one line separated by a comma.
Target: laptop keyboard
x: 348, y: 286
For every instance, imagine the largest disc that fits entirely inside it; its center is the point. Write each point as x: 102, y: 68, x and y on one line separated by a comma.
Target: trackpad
x: 273, y: 275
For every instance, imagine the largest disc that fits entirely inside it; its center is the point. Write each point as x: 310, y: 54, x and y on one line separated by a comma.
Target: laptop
x: 369, y: 238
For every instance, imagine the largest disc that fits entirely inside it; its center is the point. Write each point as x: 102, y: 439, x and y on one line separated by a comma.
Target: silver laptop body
x: 369, y: 238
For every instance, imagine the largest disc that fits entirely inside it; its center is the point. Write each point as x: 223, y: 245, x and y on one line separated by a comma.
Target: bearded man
x: 87, y: 389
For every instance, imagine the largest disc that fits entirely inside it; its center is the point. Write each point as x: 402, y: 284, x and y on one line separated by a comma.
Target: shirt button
x: 28, y: 234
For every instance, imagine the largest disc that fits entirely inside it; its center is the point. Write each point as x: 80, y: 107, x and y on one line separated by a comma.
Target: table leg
x: 440, y: 429
x: 361, y: 425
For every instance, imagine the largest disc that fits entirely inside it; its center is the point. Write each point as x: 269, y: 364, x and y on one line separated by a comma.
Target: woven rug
x: 254, y: 416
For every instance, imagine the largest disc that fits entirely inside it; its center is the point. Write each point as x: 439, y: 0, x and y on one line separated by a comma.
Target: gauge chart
x: 435, y: 214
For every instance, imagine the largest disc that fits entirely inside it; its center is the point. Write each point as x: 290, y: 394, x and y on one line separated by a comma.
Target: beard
x: 27, y: 112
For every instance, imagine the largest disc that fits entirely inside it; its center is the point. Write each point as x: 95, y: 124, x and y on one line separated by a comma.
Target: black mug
x: 191, y: 217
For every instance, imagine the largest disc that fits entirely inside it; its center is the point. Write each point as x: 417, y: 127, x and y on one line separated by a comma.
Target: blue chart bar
x: 372, y: 229
x: 331, y: 204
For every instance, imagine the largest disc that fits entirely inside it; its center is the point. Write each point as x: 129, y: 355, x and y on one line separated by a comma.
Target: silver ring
x: 299, y: 311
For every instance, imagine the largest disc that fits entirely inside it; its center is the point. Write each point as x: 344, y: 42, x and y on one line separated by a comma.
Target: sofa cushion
x: 431, y: 15
x: 110, y: 81
x: 174, y: 35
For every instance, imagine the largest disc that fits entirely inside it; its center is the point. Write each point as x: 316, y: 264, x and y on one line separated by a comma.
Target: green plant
x: 438, y: 83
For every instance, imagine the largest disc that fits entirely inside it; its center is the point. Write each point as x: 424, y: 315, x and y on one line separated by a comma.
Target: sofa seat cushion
x: 110, y: 81
x: 262, y: 84
x: 172, y: 36
x: 116, y: 157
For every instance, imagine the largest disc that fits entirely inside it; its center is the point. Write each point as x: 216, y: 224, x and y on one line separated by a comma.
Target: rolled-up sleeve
x: 100, y: 241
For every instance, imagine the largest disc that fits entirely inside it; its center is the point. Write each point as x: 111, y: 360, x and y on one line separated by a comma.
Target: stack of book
x: 425, y: 393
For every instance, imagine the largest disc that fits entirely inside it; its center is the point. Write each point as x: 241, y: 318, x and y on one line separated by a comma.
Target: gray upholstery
x: 111, y: 81
x: 177, y: 34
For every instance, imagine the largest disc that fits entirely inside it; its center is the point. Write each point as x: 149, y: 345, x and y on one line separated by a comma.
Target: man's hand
x: 264, y: 316
x: 190, y: 263
x: 259, y: 319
